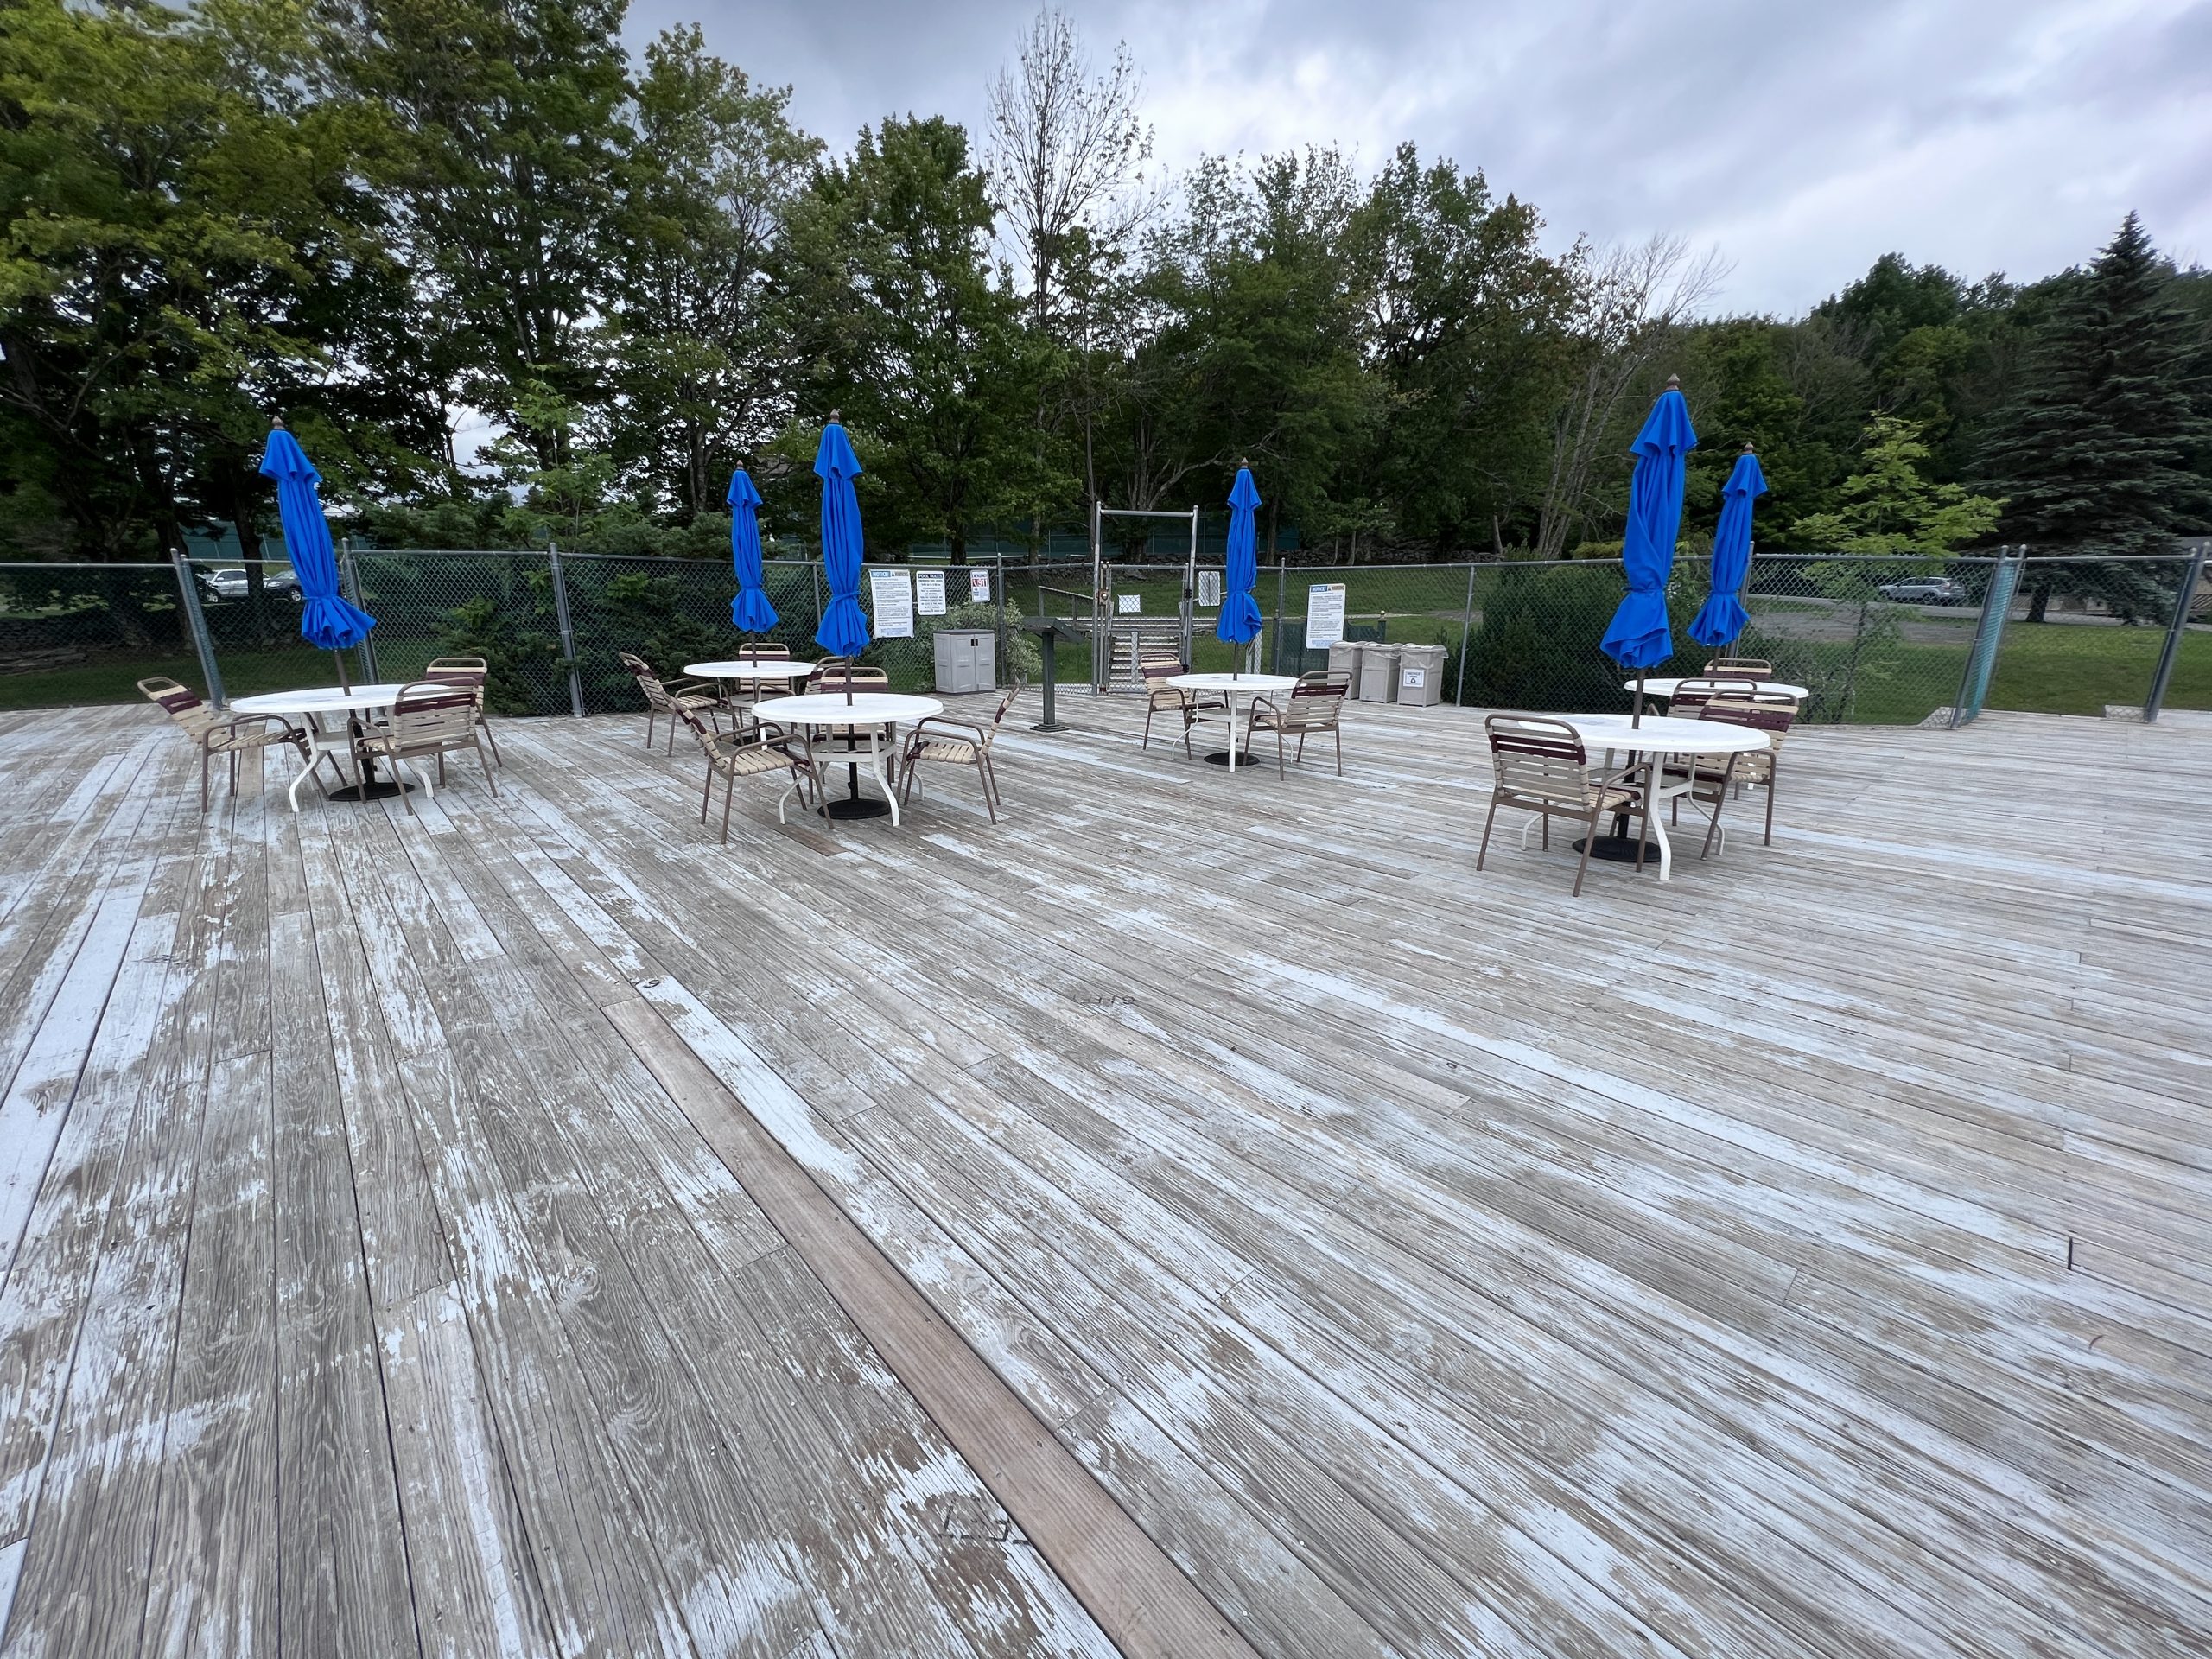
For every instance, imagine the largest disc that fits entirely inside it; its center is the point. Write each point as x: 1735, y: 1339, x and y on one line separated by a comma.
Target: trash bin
x: 966, y: 661
x: 1344, y: 658
x: 1421, y: 674
x: 1378, y: 672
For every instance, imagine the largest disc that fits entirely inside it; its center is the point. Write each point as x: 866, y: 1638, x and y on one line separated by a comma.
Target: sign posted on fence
x: 1324, y: 614
x: 979, y: 587
x: 929, y: 592
x: 893, y: 596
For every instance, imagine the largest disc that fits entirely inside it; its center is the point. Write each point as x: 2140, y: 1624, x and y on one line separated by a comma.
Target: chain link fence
x: 1881, y: 641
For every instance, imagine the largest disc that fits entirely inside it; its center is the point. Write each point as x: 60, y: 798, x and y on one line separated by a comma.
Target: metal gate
x: 1122, y: 636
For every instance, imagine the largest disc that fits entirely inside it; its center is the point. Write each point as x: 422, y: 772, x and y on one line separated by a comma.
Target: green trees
x: 185, y: 252
x: 2094, y: 453
x: 1889, y: 508
x: 1465, y: 318
x: 389, y: 219
x: 698, y: 355
x: 905, y: 330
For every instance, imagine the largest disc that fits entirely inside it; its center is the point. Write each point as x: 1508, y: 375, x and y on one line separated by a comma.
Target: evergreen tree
x: 2093, y: 456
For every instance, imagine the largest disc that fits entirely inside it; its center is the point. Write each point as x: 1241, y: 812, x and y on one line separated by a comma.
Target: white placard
x: 928, y: 593
x: 979, y: 587
x: 1129, y: 604
x: 1209, y: 588
x: 891, y: 594
x: 1413, y: 679
x: 1324, y: 614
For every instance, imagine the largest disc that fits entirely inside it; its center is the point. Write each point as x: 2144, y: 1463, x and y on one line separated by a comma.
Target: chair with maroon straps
x: 1541, y: 767
x: 1690, y: 696
x: 471, y: 672
x: 1713, y: 778
x: 211, y: 734
x: 1738, y: 668
x: 1316, y: 704
x: 1162, y: 698
x: 429, y: 720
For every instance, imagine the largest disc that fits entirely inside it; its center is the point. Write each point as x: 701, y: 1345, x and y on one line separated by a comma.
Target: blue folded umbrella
x: 1240, y: 612
x: 1637, y: 637
x: 843, y: 631
x: 749, y: 610
x: 1723, y: 616
x: 327, y: 620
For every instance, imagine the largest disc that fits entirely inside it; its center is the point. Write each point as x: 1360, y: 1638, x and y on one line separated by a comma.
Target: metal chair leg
x: 1589, y: 836
x: 1489, y: 819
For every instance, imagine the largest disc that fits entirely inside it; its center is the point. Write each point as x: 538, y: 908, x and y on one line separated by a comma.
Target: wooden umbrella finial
x: 1674, y: 383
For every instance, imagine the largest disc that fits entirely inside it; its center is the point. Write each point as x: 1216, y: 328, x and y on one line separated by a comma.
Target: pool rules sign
x: 1324, y: 614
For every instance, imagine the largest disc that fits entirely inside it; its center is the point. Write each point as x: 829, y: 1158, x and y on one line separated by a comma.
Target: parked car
x: 1925, y: 590
x: 229, y: 582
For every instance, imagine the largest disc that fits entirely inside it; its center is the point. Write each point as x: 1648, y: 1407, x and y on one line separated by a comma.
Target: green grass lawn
x: 2059, y: 668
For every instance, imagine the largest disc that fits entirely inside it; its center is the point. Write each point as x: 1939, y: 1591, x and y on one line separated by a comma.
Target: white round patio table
x: 1666, y: 685
x: 877, y: 713
x: 751, y: 670
x: 1247, y: 686
x: 316, y: 700
x: 1658, y: 735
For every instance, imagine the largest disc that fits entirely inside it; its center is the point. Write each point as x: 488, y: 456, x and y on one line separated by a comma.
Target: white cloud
x: 1802, y: 139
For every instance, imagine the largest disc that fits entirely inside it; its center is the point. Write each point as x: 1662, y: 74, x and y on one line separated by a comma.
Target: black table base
x: 376, y: 789
x: 1220, y: 758
x: 1621, y: 850
x: 853, y: 803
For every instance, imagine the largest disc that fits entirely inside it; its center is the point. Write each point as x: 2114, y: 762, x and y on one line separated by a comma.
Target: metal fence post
x: 2177, y: 629
x: 1282, y: 597
x: 370, y: 672
x: 568, y: 634
x: 1466, y: 642
x: 1988, y: 634
x: 814, y: 573
x: 1005, y: 653
x: 196, y: 619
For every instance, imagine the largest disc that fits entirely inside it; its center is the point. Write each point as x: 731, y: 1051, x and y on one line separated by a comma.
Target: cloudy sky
x: 1799, y: 137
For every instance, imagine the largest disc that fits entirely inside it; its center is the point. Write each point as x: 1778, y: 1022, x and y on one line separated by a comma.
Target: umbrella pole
x: 344, y: 683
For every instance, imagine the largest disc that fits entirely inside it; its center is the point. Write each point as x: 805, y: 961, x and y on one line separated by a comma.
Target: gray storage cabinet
x: 966, y: 661
x: 1421, y: 674
x: 1378, y: 672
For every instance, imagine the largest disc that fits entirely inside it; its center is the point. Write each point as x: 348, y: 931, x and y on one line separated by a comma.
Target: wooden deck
x: 533, y: 1228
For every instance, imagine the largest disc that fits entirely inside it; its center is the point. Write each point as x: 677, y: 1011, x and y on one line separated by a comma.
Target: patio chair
x: 1316, y: 704
x: 1542, y: 768
x: 731, y: 756
x: 834, y: 675
x: 471, y: 672
x: 429, y: 720
x: 1691, y: 695
x: 670, y: 700
x: 748, y: 694
x: 1712, y: 778
x: 960, y: 742
x: 1159, y: 698
x: 837, y: 673
x: 1738, y: 668
x: 213, y: 735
